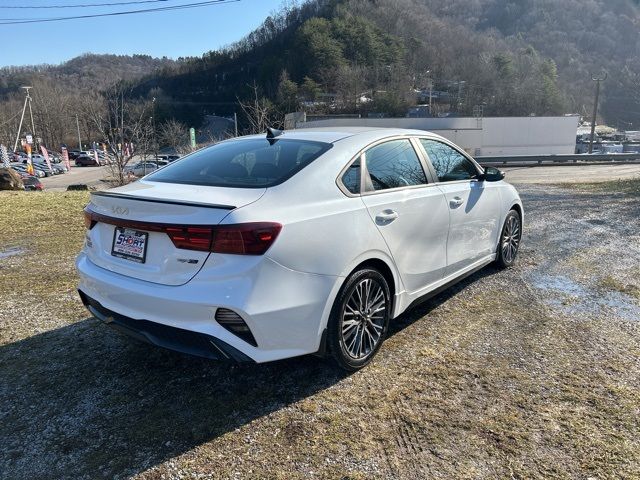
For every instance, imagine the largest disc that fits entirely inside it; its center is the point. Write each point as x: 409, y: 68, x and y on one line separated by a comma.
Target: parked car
x: 44, y: 168
x: 32, y: 183
x: 56, y: 169
x: 168, y: 158
x: 104, y: 158
x: 142, y: 168
x: 307, y: 241
x: 89, y: 161
x: 38, y: 172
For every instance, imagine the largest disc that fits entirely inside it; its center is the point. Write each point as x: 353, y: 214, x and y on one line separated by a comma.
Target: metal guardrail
x: 572, y: 159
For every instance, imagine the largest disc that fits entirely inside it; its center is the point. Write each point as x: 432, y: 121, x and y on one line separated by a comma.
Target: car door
x: 474, y: 205
x: 410, y: 213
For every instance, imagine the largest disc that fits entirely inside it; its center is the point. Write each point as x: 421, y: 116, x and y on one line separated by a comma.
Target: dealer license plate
x: 130, y: 244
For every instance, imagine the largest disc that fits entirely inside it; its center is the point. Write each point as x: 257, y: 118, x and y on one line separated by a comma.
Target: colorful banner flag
x: 45, y: 154
x: 65, y: 158
x: 30, y: 169
x: 5, y: 156
x: 95, y: 155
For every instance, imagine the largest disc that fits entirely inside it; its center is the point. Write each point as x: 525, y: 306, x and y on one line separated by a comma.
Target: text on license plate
x: 130, y: 244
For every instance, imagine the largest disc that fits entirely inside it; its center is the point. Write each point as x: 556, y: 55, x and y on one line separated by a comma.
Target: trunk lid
x: 146, y: 207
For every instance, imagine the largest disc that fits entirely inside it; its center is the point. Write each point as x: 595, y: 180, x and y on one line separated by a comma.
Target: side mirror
x: 492, y: 174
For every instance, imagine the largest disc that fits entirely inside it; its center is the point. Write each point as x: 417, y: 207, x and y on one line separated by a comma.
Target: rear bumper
x: 185, y: 341
x: 285, y: 310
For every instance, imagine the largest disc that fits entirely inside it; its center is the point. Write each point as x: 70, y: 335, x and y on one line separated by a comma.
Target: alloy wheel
x: 511, y: 238
x: 363, y: 318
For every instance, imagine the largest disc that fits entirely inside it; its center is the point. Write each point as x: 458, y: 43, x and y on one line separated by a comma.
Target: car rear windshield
x: 252, y: 163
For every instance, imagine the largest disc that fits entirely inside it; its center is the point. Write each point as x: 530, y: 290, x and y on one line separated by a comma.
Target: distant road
x: 91, y: 176
x: 571, y: 174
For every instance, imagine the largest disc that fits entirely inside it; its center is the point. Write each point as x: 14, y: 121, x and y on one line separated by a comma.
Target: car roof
x: 335, y: 134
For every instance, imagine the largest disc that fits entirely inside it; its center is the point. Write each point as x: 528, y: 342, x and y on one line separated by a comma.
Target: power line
x: 128, y: 12
x: 10, y: 120
x: 82, y: 5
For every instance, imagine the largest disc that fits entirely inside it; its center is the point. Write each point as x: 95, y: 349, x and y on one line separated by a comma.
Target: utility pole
x: 461, y: 84
x: 430, y: 92
x: 595, y: 108
x: 27, y: 99
x: 33, y: 128
x: 153, y: 126
x: 122, y: 122
x: 78, y: 127
x: 235, y: 122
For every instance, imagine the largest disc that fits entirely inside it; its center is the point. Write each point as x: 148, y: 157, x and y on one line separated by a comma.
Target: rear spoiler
x: 159, y: 200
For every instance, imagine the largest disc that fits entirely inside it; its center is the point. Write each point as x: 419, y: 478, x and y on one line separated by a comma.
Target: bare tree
x: 259, y: 112
x: 175, y: 134
x: 123, y: 124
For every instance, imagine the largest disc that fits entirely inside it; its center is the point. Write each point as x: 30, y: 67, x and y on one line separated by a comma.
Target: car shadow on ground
x: 83, y: 401
x: 427, y: 304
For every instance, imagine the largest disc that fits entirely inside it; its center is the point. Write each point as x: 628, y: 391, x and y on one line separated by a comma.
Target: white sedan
x: 307, y: 241
x: 141, y: 169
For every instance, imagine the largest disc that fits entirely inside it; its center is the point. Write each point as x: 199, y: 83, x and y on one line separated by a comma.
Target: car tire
x: 509, y: 242
x: 356, y: 329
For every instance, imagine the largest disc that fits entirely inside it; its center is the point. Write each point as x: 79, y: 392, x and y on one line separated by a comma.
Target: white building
x: 488, y: 136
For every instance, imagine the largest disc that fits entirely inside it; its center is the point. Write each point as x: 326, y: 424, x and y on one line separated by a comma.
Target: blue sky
x: 173, y: 34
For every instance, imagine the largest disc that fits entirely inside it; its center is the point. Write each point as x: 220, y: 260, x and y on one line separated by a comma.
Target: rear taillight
x: 245, y: 238
x: 89, y: 222
x: 240, y: 239
x: 190, y: 238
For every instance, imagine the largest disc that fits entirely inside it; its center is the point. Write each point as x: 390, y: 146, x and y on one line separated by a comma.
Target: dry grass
x: 488, y: 380
x: 629, y: 187
x: 50, y: 229
x: 611, y: 283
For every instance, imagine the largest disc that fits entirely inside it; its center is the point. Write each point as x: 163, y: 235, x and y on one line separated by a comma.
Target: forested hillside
x: 379, y: 57
x: 513, y: 57
x: 86, y: 71
x: 59, y: 91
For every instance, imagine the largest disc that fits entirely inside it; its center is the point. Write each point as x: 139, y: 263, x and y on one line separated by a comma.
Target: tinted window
x: 242, y: 163
x: 394, y: 164
x: 351, y: 178
x: 450, y: 165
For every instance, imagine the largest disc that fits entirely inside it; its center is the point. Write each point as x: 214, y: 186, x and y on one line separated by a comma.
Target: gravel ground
x: 531, y: 372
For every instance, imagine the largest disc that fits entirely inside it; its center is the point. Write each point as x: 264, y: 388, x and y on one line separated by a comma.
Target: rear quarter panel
x: 324, y: 231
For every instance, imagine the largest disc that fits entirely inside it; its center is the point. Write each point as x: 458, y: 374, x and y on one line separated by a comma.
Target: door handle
x: 386, y: 216
x: 456, y: 202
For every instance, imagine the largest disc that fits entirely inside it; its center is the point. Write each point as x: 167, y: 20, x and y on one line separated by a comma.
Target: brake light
x: 253, y: 238
x: 190, y: 238
x: 245, y: 238
x: 89, y: 222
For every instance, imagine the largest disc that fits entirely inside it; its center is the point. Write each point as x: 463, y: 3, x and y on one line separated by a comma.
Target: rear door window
x: 394, y: 164
x: 251, y: 163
